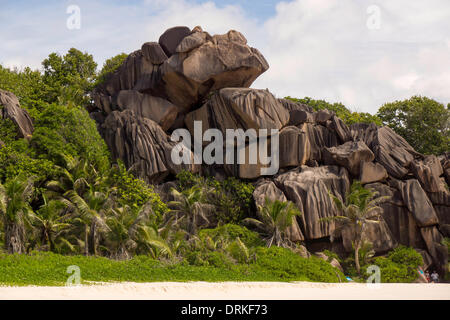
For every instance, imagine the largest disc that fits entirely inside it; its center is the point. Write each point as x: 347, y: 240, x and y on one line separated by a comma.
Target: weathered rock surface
x: 295, y: 145
x: 10, y: 109
x: 376, y: 232
x: 428, y: 172
x: 153, y: 52
x: 239, y: 108
x: 267, y: 189
x: 143, y: 105
x: 417, y: 202
x: 172, y: 37
x: 341, y: 129
x: 390, y: 149
x: 223, y: 61
x: 319, y: 138
x: 185, y: 67
x: 438, y: 251
x: 142, y: 145
x: 349, y: 155
x: 372, y: 172
x: 308, y: 189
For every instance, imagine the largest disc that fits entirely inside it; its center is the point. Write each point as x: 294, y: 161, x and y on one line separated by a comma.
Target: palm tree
x: 276, y: 218
x: 131, y: 230
x: 15, y: 209
x: 52, y: 222
x: 190, y: 206
x: 91, y: 209
x: 360, y: 205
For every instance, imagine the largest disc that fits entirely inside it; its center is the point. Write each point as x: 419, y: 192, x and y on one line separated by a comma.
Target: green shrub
x: 393, y: 272
x: 133, y: 191
x: 231, y: 232
x: 400, y: 265
x: 406, y: 256
x: 17, y: 158
x: 287, y: 265
x: 232, y: 197
x: 64, y: 130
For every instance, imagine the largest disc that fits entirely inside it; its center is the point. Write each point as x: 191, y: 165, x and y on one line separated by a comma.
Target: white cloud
x: 317, y: 48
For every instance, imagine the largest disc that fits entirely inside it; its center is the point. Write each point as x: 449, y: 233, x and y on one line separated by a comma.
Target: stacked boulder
x: 189, y: 75
x: 10, y: 109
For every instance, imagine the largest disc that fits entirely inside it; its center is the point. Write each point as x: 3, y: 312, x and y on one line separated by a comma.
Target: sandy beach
x: 231, y: 290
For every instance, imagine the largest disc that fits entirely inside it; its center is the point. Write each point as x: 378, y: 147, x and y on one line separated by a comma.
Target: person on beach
x: 434, y: 277
x: 427, y: 275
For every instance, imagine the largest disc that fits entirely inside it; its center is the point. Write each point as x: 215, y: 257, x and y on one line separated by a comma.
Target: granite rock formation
x: 10, y: 109
x: 189, y: 75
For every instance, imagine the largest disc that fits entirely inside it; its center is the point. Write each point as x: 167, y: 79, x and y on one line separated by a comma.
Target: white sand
x: 231, y: 290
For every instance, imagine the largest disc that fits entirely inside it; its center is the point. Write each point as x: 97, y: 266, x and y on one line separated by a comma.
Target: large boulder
x: 372, y: 172
x: 153, y: 52
x: 398, y: 218
x: 172, y: 37
x: 428, y: 172
x: 142, y: 145
x: 349, y: 155
x: 143, y: 105
x: 184, y: 68
x: 266, y: 189
x: 294, y: 145
x: 319, y: 138
x: 341, y: 129
x: 239, y: 108
x: 438, y: 251
x: 376, y: 232
x: 10, y: 109
x: 186, y: 78
x: 308, y: 189
x: 417, y: 202
x: 391, y: 150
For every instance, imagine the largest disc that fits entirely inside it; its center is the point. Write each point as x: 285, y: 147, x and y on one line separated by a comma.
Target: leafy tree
x: 110, y: 65
x: 276, y: 218
x: 348, y: 116
x: 134, y: 192
x: 26, y: 84
x: 69, y: 77
x: 15, y: 210
x: 68, y: 131
x: 360, y: 205
x: 423, y: 122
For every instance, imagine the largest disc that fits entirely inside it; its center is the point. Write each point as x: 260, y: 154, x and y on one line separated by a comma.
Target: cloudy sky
x: 362, y: 53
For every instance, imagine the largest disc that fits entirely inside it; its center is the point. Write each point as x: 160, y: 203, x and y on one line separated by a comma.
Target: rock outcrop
x: 189, y: 75
x: 143, y: 146
x: 10, y: 109
x: 185, y: 67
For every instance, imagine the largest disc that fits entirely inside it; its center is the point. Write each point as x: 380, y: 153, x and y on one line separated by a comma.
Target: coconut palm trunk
x: 92, y: 238
x: 358, y: 268
x: 86, y: 240
x: 14, y: 237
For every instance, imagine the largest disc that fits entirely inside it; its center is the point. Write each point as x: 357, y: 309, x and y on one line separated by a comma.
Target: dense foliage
x: 231, y: 197
x: 423, y: 122
x: 348, y: 116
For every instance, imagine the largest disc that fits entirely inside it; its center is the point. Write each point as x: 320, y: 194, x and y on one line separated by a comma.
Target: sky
x: 362, y: 53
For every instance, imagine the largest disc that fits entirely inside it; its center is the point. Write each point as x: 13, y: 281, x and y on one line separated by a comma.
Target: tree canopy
x: 423, y: 122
